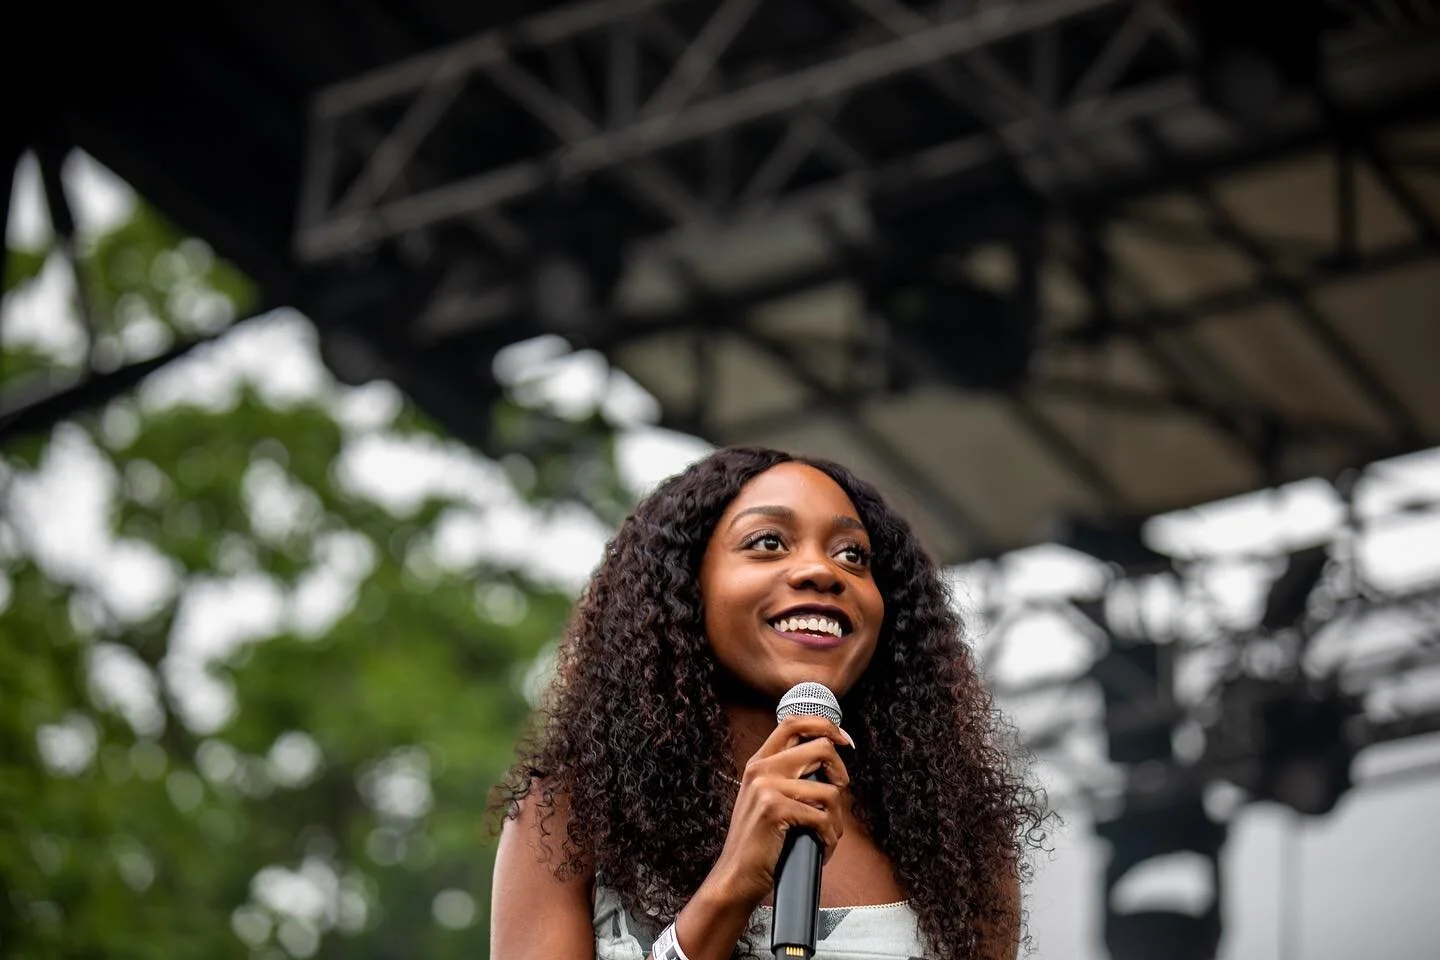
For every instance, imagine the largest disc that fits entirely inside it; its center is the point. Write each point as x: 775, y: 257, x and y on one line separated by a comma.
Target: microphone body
x: 797, y: 892
x: 796, y: 916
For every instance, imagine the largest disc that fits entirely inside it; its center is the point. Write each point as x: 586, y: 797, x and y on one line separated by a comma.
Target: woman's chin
x: 837, y: 683
x: 765, y: 687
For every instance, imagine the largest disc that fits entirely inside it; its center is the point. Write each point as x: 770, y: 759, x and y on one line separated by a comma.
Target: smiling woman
x: 787, y: 589
x: 649, y: 811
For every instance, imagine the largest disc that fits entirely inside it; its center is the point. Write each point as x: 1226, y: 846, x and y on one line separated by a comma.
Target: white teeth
x: 811, y: 624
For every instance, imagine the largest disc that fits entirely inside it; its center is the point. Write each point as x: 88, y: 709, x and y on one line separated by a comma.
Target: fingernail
x: 848, y: 737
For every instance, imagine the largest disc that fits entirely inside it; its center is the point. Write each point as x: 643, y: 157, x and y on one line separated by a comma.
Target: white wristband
x: 667, y: 946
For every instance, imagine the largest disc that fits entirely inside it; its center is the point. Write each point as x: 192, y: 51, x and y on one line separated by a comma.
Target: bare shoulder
x: 533, y: 911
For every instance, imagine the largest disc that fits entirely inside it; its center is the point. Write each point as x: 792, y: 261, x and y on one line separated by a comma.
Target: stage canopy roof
x: 1035, y: 267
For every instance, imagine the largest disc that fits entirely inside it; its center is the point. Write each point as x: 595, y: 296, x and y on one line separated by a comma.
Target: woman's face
x: 786, y: 585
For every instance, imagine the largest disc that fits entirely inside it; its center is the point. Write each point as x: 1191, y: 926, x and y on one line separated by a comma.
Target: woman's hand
x: 773, y: 798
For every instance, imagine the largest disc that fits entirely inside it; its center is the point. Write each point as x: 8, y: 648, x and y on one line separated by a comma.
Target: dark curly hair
x: 633, y: 738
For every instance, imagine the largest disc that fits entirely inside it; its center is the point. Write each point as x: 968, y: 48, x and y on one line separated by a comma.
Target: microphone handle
x: 796, y: 916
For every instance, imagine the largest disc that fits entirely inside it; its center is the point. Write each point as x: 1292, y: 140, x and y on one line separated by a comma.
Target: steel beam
x: 472, y: 54
x: 337, y: 235
x: 962, y: 522
x: 698, y: 60
x: 569, y: 124
x: 778, y: 96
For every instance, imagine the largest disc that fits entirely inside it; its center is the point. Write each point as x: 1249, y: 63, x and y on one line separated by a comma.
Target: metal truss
x: 661, y: 108
x: 357, y: 192
x: 1164, y: 781
x: 364, y: 187
x: 951, y: 48
x: 1319, y: 610
x: 1150, y: 799
x: 1254, y: 426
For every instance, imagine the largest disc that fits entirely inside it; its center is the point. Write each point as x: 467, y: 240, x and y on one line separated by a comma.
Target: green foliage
x: 339, y: 808
x: 22, y: 266
x: 145, y: 269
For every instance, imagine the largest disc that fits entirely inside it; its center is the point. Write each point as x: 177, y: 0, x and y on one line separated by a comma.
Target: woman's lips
x: 816, y: 641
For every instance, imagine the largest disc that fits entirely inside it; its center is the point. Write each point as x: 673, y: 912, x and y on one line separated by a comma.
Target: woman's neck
x: 750, y: 725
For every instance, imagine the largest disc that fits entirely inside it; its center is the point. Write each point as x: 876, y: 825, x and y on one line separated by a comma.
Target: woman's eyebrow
x: 788, y: 515
x: 777, y: 512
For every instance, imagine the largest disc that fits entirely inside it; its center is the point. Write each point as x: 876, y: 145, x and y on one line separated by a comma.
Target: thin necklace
x: 728, y: 778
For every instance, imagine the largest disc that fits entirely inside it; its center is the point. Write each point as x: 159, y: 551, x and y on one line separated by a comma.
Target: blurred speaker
x: 1130, y: 678
x: 1252, y: 55
x: 1138, y: 836
x: 947, y: 326
x: 1152, y: 934
x: 1285, y: 743
x: 578, y: 258
x: 1306, y: 757
x: 954, y: 331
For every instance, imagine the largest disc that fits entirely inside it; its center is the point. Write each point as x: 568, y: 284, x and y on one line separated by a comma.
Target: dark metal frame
x: 1028, y: 125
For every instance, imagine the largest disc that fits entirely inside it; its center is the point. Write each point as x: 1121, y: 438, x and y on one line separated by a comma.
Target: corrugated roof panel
x: 975, y: 449
x: 1156, y: 459
x: 1393, y: 322
x: 1174, y: 272
x: 749, y: 383
x: 1282, y: 364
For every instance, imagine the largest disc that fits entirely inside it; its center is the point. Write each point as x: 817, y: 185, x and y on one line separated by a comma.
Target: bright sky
x: 1365, y: 860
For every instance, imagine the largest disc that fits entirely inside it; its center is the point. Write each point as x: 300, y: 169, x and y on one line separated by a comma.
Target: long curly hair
x: 633, y: 738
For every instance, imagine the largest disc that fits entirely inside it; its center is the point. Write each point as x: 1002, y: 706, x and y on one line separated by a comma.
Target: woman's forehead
x: 798, y: 486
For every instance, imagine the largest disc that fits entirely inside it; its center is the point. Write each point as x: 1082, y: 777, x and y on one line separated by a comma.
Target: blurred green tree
x: 263, y: 720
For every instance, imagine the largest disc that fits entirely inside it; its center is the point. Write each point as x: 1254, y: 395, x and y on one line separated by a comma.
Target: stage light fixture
x: 949, y: 323
x: 953, y: 330
x: 1125, y: 672
x: 1289, y: 596
x: 577, y: 260
x: 1114, y: 542
x: 1140, y: 836
x: 1251, y: 56
x: 1306, y: 757
x: 1284, y: 742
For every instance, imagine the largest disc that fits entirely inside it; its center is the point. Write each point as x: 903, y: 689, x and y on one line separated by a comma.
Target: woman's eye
x: 768, y: 542
x: 856, y: 554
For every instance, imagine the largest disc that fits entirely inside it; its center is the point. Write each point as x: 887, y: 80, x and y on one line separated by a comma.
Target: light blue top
x: 888, y: 931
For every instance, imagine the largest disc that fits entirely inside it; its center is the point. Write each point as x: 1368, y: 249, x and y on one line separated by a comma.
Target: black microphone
x: 797, y: 873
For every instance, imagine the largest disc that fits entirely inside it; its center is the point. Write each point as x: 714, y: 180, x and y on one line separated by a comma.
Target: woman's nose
x: 815, y: 573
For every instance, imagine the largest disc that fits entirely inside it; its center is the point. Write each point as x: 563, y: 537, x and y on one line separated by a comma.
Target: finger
x: 826, y: 797
x: 810, y: 756
x: 821, y: 796
x: 793, y: 730
x: 827, y: 828
x: 799, y: 761
x: 803, y: 728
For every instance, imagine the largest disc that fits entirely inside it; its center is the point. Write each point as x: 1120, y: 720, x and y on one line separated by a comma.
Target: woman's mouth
x: 810, y: 629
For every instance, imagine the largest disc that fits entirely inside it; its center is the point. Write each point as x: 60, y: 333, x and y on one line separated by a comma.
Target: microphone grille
x: 809, y: 700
